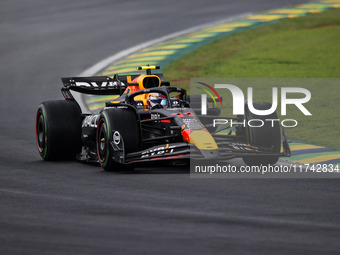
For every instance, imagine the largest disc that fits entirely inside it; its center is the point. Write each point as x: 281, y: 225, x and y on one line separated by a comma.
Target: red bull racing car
x: 148, y: 121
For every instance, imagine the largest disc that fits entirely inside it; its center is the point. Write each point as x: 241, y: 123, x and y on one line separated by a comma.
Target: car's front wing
x: 226, y: 150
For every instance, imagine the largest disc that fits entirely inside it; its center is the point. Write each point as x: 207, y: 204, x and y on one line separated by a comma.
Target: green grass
x: 305, y: 47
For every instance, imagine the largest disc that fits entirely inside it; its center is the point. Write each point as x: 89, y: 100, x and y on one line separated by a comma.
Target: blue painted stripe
x: 307, y: 151
x: 333, y: 161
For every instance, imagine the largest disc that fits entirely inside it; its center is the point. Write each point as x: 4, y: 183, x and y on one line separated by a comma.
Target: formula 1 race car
x: 148, y: 121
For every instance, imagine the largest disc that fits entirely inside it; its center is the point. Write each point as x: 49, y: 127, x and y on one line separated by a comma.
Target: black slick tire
x: 58, y: 129
x: 119, y: 124
x: 265, y: 136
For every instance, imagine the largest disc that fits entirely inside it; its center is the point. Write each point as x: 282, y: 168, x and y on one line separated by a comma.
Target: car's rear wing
x: 96, y: 85
x: 100, y: 85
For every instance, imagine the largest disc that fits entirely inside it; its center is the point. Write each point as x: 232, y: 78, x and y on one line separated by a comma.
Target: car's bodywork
x: 173, y: 131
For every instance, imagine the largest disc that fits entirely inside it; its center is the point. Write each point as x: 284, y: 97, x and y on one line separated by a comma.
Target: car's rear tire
x: 265, y: 136
x: 58, y: 129
x: 126, y: 123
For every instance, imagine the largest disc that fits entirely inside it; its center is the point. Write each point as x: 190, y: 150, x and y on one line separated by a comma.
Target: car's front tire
x: 120, y: 126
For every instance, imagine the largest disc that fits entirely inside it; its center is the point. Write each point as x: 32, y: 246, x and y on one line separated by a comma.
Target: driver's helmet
x: 156, y: 99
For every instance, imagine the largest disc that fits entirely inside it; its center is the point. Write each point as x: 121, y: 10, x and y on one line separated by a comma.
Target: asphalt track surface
x: 74, y: 208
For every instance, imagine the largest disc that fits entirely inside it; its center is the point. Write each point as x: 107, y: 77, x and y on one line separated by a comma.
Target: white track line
x: 96, y: 68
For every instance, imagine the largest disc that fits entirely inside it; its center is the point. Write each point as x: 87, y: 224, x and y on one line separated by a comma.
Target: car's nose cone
x: 210, y: 154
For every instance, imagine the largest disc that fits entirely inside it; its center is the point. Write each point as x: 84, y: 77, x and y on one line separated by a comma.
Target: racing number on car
x: 158, y: 151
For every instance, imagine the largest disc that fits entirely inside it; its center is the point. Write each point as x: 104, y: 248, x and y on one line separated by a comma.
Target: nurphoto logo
x: 239, y: 103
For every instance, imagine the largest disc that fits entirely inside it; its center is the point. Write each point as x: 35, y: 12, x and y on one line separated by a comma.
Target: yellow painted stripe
x: 122, y: 70
x: 304, y: 147
x: 189, y: 40
x: 227, y: 29
x: 312, y: 6
x: 202, y: 35
x: 290, y: 16
x: 182, y: 40
x: 311, y: 10
x: 319, y: 159
x: 314, y: 10
x: 141, y: 59
x: 153, y: 53
x: 168, y: 47
x: 133, y: 64
x: 236, y: 24
x: 265, y: 17
x: 288, y: 11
